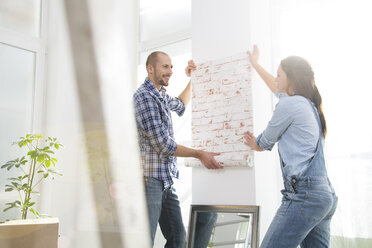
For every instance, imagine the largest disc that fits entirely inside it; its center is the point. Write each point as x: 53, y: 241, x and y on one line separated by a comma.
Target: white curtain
x: 86, y: 218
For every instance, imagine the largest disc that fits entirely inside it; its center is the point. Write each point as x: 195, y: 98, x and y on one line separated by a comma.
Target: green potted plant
x: 34, y: 166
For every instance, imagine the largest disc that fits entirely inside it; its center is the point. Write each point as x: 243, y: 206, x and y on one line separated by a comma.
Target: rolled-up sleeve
x: 278, y: 124
x: 176, y: 104
x: 150, y: 125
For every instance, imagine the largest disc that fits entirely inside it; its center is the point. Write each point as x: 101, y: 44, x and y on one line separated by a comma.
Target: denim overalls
x: 308, y: 204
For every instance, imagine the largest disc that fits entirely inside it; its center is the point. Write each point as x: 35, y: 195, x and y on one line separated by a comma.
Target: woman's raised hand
x: 253, y: 56
x: 265, y: 75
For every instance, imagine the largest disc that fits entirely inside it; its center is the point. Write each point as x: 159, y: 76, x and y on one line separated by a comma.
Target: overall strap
x: 319, y: 143
x: 318, y: 146
x: 315, y: 111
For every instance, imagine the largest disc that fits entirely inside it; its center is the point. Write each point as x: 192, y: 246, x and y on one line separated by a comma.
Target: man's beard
x: 161, y: 81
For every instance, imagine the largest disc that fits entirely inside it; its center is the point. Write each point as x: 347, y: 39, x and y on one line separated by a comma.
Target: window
x: 22, y: 56
x: 21, y: 16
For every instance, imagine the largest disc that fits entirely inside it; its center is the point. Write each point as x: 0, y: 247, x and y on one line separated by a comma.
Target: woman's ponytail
x: 317, y: 100
x: 301, y: 80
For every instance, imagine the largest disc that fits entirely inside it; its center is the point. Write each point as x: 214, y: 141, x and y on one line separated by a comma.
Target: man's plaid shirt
x: 155, y: 129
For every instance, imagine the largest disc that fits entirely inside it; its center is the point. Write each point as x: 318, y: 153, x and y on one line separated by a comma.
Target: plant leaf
x: 19, y: 179
x: 15, y: 204
x: 33, y: 154
x: 36, y: 213
x: 38, y: 136
x: 9, y: 164
x: 15, y: 184
x: 40, y: 158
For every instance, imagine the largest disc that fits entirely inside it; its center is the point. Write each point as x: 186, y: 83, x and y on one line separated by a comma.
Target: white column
x: 222, y: 28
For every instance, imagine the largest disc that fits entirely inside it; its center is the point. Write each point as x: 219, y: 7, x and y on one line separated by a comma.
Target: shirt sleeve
x: 279, y: 123
x: 280, y: 95
x: 151, y: 126
x: 175, y: 104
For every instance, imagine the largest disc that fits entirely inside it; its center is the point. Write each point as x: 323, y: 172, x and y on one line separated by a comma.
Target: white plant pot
x: 35, y: 233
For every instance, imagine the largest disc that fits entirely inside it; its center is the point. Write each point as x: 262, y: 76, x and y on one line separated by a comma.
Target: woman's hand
x: 265, y: 75
x: 253, y: 57
x: 250, y: 140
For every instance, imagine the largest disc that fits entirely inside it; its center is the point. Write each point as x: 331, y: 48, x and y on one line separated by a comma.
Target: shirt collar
x: 153, y: 89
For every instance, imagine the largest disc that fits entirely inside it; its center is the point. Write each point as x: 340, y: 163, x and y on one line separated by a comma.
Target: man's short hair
x: 152, y: 59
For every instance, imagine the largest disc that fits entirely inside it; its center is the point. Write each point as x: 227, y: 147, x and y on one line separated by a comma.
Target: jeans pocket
x: 149, y: 181
x: 316, y: 205
x: 287, y: 195
x: 146, y: 180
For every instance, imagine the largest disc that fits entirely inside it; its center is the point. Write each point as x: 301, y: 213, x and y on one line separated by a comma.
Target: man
x: 153, y: 108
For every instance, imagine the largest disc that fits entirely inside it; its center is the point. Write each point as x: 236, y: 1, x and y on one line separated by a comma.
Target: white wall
x: 219, y: 29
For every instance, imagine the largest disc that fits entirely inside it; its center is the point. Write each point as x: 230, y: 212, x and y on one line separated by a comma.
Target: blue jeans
x: 304, y: 216
x: 164, y: 208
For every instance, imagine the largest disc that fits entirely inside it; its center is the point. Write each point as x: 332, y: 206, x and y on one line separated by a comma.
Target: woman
x: 299, y: 127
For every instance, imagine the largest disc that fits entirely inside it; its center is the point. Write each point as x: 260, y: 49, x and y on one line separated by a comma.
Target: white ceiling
x: 161, y: 18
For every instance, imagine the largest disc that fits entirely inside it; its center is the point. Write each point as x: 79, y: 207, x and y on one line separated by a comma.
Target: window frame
x: 36, y: 45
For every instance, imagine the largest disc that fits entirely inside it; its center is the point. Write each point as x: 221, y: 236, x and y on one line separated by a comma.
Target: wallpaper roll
x: 222, y: 110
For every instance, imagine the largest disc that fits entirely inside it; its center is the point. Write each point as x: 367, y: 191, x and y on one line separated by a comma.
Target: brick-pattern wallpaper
x: 222, y: 110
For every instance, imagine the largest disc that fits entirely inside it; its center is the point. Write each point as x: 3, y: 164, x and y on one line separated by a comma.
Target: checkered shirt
x: 155, y: 129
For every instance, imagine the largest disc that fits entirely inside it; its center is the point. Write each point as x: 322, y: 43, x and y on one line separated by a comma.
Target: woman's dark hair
x: 300, y: 77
